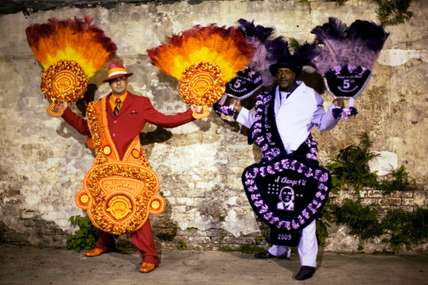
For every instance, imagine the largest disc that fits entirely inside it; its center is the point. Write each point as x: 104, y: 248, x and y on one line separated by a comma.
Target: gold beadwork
x: 64, y: 81
x: 84, y: 199
x: 135, y: 153
x: 119, y: 207
x: 93, y: 126
x: 155, y: 205
x: 121, y: 191
x: 96, y: 133
x: 106, y: 150
x: 202, y: 84
x: 134, y: 184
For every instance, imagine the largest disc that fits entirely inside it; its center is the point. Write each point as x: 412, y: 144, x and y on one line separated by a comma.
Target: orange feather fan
x: 203, y: 59
x: 70, y: 52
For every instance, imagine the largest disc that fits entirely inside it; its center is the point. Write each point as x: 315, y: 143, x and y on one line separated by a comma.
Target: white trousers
x: 307, y: 248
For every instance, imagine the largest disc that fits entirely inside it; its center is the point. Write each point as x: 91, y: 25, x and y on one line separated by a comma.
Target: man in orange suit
x: 126, y: 116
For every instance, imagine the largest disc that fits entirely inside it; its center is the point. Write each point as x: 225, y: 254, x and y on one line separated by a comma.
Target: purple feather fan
x: 344, y: 55
x: 338, y: 45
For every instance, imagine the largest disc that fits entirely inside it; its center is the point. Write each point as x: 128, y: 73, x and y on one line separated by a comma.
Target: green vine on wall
x: 389, y: 12
x: 401, y: 227
x: 351, y: 169
x: 406, y: 227
x: 362, y: 220
x: 399, y: 179
x: 351, y: 166
x: 392, y: 12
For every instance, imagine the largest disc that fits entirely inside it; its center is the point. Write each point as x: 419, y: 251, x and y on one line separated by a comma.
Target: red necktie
x: 117, y: 107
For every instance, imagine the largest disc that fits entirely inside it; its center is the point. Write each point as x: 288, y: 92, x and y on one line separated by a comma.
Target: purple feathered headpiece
x: 269, y: 49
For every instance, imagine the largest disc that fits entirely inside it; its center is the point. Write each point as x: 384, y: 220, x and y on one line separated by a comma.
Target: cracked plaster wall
x: 199, y: 164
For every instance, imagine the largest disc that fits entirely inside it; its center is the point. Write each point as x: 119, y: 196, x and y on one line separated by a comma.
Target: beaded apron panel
x: 117, y: 194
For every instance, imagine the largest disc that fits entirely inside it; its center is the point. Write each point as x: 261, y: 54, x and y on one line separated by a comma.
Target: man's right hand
x: 59, y: 107
x: 56, y: 109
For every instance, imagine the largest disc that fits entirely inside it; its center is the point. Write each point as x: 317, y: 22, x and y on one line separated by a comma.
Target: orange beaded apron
x: 117, y: 194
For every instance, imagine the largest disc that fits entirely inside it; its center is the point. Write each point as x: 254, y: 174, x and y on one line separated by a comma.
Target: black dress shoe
x: 266, y: 254
x: 305, y: 272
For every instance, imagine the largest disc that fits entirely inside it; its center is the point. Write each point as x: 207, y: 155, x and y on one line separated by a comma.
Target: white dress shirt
x: 295, y: 115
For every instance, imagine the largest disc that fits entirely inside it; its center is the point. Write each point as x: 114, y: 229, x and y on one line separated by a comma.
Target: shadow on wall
x: 88, y: 97
x: 312, y: 79
x: 38, y: 232
x: 165, y: 227
x: 65, y: 130
x: 158, y: 136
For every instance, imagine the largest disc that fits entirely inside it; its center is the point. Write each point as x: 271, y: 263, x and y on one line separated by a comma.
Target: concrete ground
x: 27, y: 265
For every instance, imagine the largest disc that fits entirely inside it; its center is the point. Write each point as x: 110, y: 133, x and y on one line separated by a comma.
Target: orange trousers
x: 141, y: 239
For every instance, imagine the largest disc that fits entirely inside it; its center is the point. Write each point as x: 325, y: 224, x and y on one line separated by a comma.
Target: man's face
x: 119, y: 85
x: 285, y: 77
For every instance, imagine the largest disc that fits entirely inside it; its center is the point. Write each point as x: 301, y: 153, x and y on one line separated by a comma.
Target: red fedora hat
x: 116, y: 70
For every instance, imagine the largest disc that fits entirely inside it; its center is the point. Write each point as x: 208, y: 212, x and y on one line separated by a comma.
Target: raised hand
x: 345, y: 113
x: 231, y: 109
x: 200, y: 112
x: 337, y: 113
x: 56, y: 109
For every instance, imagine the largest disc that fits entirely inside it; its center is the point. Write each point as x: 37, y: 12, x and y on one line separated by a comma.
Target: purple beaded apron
x: 287, y: 192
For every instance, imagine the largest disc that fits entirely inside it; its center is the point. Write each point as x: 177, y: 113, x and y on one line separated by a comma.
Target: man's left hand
x: 337, y: 113
x: 349, y: 112
x: 353, y: 111
x: 344, y: 113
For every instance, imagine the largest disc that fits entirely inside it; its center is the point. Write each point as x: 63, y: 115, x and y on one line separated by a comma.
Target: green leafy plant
x: 351, y: 166
x: 403, y: 227
x: 389, y: 12
x: 361, y: 219
x: 397, y: 180
x: 392, y: 12
x: 293, y: 44
x: 406, y: 227
x: 324, y: 222
x: 85, y: 237
x: 181, y: 244
x: 243, y: 248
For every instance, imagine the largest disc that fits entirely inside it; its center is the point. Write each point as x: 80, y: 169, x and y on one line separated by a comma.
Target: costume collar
x: 112, y: 100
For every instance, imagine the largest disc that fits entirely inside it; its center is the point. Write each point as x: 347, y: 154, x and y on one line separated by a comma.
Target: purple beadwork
x: 261, y: 134
x: 224, y: 109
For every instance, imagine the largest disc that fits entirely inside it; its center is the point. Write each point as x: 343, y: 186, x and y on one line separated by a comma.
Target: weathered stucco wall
x: 199, y: 164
